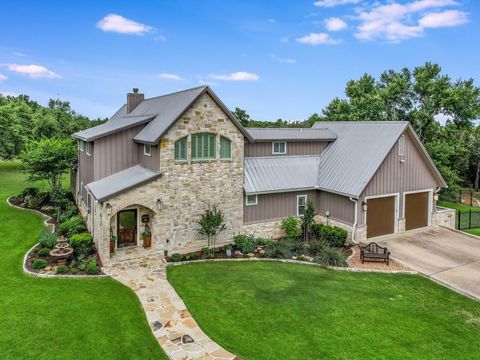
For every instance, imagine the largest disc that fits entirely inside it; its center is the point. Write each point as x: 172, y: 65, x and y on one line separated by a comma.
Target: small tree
x: 49, y: 159
x: 308, y: 220
x: 211, y: 224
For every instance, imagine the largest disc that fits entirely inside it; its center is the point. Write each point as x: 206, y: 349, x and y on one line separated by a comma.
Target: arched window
x: 181, y: 149
x: 225, y: 148
x: 203, y: 146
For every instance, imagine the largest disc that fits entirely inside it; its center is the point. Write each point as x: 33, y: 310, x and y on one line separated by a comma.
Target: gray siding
x: 275, y: 206
x: 293, y: 148
x: 85, y: 170
x: 115, y: 152
x: 150, y: 162
x: 340, y: 207
x: 393, y: 176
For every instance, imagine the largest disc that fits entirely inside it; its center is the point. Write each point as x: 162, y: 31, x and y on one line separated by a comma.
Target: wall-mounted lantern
x: 160, y: 204
x: 364, y: 206
x: 108, y: 208
x: 327, y: 214
x: 435, y: 197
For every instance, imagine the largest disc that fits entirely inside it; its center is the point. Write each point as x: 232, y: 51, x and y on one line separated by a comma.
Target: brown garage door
x: 380, y: 216
x: 416, y: 210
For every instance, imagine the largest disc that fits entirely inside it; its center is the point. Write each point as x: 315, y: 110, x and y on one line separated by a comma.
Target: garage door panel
x: 416, y: 210
x: 380, y: 216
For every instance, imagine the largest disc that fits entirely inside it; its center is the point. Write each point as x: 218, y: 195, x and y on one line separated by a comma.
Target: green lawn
x: 464, y: 216
x: 475, y: 231
x: 273, y: 310
x: 61, y: 318
x: 456, y: 206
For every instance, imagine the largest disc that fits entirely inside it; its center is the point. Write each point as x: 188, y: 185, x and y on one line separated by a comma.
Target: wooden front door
x: 127, y: 227
x: 380, y: 216
x: 416, y: 210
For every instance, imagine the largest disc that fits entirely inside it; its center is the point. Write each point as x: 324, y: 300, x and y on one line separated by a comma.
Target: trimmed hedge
x: 72, y: 226
x: 332, y: 235
x: 82, y: 244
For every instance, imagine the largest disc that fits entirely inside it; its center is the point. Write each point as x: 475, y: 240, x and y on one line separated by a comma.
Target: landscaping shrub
x: 331, y: 257
x: 71, y: 227
x: 262, y: 242
x: 30, y: 191
x: 176, y: 257
x: 82, y: 266
x: 44, y: 252
x: 47, y: 239
x: 245, y: 243
x: 92, y: 268
x: 205, y: 251
x: 315, y: 247
x: 82, y: 244
x: 193, y: 256
x: 296, y: 246
x: 38, y: 200
x: 39, y: 264
x: 67, y: 213
x: 62, y: 269
x: 73, y: 270
x: 332, y: 235
x: 278, y: 250
x: 291, y: 225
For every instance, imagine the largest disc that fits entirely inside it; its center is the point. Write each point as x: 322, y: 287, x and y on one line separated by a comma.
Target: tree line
x: 423, y: 96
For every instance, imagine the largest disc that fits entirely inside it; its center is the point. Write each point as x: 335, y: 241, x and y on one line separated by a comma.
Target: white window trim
x: 251, y: 204
x: 401, y: 146
x: 81, y: 145
x: 279, y: 142
x: 305, y: 205
x: 88, y: 148
x: 145, y: 152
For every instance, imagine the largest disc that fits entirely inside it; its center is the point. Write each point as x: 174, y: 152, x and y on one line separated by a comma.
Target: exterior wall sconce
x: 435, y: 197
x: 108, y: 207
x: 364, y: 206
x: 160, y: 204
x: 327, y: 214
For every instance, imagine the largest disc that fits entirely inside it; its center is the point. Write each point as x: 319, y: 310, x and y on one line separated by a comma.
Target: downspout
x: 355, y: 220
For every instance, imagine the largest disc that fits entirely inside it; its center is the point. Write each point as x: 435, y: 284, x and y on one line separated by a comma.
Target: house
x: 158, y: 163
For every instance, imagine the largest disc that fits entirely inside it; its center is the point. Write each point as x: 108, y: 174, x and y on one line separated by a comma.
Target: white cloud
x: 335, y: 24
x: 332, y: 3
x: 160, y: 38
x: 443, y: 19
x: 237, y: 76
x: 170, y: 76
x: 119, y: 24
x: 33, y: 71
x: 19, y: 54
x: 317, y: 39
x: 283, y: 60
x: 3, y: 77
x: 207, y: 82
x: 399, y: 21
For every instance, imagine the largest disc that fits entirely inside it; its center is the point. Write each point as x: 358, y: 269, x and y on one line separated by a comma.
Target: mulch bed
x: 356, y: 263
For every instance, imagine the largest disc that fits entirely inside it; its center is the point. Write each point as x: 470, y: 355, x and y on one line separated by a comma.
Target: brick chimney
x: 133, y: 100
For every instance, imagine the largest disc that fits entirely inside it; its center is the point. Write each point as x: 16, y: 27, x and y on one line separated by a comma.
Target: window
x: 301, y: 204
x: 401, y: 146
x: 225, y: 148
x: 81, y: 145
x: 251, y: 200
x: 203, y: 146
x: 147, y: 150
x: 181, y: 149
x: 88, y: 148
x: 279, y: 147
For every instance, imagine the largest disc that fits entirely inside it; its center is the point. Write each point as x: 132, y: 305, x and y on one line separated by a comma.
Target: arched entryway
x: 131, y: 226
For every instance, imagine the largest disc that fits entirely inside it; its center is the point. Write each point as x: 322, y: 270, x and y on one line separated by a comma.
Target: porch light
x: 435, y: 197
x: 159, y: 204
x: 108, y: 207
x: 364, y: 206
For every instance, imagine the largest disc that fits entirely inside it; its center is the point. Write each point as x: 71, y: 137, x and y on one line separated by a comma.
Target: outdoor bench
x: 373, y: 251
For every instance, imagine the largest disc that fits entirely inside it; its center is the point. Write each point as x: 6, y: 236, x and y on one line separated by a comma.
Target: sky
x: 276, y: 59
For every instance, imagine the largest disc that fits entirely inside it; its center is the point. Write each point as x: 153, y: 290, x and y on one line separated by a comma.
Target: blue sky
x: 273, y: 58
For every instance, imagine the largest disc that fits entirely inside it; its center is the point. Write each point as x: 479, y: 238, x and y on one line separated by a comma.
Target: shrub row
x: 248, y: 243
x: 332, y: 235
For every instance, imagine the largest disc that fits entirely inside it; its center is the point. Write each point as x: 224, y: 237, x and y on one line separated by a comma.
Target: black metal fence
x: 468, y: 219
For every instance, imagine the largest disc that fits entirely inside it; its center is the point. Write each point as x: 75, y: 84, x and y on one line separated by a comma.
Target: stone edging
x: 52, y: 228
x: 336, y: 268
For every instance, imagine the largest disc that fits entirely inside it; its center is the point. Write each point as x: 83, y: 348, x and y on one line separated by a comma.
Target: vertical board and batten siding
x: 115, y: 152
x: 293, y: 148
x: 340, y: 207
x: 85, y: 167
x: 151, y: 162
x: 275, y: 206
x: 393, y: 176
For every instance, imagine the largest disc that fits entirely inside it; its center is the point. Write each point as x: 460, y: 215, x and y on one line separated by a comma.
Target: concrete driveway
x: 447, y: 256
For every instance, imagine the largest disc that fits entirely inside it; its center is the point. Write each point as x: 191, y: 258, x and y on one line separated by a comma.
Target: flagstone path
x: 172, y: 325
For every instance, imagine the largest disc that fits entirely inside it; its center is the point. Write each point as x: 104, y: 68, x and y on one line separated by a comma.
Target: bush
x: 193, y: 256
x: 205, y: 251
x: 332, y: 235
x: 176, y: 257
x: 38, y: 200
x: 30, y: 191
x: 291, y: 225
x: 245, y: 243
x: 44, y: 252
x: 278, y: 250
x: 72, y: 226
x: 82, y: 244
x: 73, y: 270
x: 315, y: 247
x: 82, y: 266
x: 69, y: 212
x: 296, y: 246
x: 39, y: 264
x: 92, y: 268
x: 331, y: 257
x: 47, y: 239
x: 62, y: 269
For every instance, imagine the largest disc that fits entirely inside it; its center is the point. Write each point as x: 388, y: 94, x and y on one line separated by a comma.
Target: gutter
x: 354, y: 227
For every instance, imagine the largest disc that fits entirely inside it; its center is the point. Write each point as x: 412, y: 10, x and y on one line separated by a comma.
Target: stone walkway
x: 172, y: 325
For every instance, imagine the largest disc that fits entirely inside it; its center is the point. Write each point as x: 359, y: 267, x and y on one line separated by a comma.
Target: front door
x: 127, y: 227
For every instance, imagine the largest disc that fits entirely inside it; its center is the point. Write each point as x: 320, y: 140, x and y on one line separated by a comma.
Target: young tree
x: 48, y: 160
x: 308, y: 220
x: 211, y: 224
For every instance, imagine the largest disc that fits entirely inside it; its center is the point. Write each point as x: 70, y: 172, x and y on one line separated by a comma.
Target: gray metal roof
x: 280, y: 173
x: 269, y: 134
x: 115, y: 124
x: 348, y: 164
x: 121, y: 181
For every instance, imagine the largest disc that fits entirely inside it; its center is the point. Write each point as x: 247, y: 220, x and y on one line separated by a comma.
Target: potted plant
x: 113, y: 241
x: 147, y: 239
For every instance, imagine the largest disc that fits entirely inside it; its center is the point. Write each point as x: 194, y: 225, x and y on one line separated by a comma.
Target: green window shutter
x: 181, y: 149
x: 203, y: 146
x: 225, y: 148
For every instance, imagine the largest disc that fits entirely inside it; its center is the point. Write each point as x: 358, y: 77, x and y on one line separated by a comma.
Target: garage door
x: 416, y: 210
x: 380, y: 216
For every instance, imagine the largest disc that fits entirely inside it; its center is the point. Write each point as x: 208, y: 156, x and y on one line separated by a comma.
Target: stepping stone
x: 157, y: 325
x: 187, y: 339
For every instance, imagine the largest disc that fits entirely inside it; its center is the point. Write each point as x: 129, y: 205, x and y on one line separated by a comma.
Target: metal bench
x: 373, y: 251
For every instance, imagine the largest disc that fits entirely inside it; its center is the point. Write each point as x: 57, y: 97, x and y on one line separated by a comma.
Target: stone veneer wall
x: 444, y: 217
x: 186, y: 188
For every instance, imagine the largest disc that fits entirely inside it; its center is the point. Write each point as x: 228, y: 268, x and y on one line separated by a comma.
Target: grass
x: 475, y: 231
x: 273, y: 310
x: 464, y: 216
x: 61, y: 318
x: 456, y: 206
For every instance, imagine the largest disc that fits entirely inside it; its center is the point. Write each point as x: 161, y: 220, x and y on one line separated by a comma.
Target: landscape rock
x: 237, y: 253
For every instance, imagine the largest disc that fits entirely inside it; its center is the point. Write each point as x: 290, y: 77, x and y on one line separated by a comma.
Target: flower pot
x: 147, y: 241
x: 112, y: 247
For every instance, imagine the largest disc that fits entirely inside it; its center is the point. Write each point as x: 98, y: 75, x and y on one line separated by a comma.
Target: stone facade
x: 444, y: 217
x: 267, y: 230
